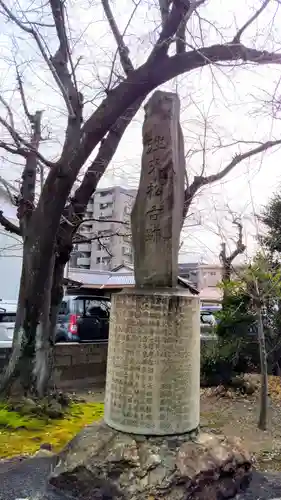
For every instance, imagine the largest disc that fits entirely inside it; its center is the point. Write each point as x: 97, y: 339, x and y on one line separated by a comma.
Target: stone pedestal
x: 153, y: 367
x: 102, y: 463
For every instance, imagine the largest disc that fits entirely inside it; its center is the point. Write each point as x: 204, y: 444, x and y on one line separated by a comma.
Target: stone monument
x: 153, y: 367
x: 158, y: 209
x: 149, y: 446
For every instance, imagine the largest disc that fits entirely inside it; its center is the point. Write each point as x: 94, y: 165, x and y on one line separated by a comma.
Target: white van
x: 8, y: 310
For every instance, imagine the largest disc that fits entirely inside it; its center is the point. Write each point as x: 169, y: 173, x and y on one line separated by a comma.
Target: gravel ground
x: 27, y: 480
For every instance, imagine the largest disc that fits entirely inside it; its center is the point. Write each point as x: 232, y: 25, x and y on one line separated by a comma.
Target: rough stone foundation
x: 153, y: 365
x: 102, y: 463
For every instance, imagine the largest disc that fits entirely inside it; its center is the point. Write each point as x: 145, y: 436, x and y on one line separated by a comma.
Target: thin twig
x: 240, y: 32
x: 31, y: 31
x: 22, y: 94
x: 200, y: 181
x: 9, y: 226
x: 123, y: 50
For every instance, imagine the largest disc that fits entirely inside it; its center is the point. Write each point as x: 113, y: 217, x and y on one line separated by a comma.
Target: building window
x: 105, y: 232
x: 126, y: 251
x: 103, y: 206
x: 105, y: 193
x: 127, y: 238
x: 105, y: 217
x: 106, y: 260
x: 103, y: 260
x: 85, y: 254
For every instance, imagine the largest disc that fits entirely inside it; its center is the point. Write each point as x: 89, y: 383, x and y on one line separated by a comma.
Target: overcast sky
x: 230, y: 100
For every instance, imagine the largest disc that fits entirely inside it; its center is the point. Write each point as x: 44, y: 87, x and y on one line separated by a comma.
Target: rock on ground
x: 101, y: 463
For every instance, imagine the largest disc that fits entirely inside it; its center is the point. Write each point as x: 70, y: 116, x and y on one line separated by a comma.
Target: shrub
x: 217, y: 361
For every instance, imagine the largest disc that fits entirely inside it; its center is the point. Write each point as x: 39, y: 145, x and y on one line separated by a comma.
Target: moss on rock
x: 22, y: 434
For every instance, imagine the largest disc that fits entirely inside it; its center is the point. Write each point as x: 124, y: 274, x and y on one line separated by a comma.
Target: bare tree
x: 48, y: 227
x: 227, y: 260
x: 263, y: 416
x: 261, y: 284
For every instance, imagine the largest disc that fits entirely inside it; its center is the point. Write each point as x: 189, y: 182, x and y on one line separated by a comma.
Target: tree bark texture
x: 263, y: 416
x: 28, y: 368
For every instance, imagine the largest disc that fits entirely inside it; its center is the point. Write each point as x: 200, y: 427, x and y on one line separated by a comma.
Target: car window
x: 91, y: 307
x: 7, y: 318
x: 63, y: 307
x: 79, y: 307
x: 97, y: 308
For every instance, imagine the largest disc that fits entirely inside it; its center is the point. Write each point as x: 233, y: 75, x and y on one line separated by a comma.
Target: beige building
x: 206, y: 277
x: 107, y: 225
x: 210, y: 275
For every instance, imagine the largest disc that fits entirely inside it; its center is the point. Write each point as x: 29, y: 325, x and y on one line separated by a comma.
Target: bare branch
x: 60, y: 61
x: 150, y: 75
x: 164, y: 6
x: 200, y: 181
x: 20, y: 150
x: 103, y: 245
x: 10, y: 189
x: 137, y: 85
x: 179, y: 10
x: 74, y: 212
x: 31, y: 31
x: 14, y: 150
x: 23, y: 99
x: 239, y: 250
x: 13, y: 133
x: 104, y: 156
x: 240, y: 32
x: 237, y: 159
x: 112, y: 221
x: 62, y: 55
x: 11, y: 118
x: 27, y: 192
x: 9, y: 226
x: 122, y: 48
x: 181, y: 33
x: 78, y: 238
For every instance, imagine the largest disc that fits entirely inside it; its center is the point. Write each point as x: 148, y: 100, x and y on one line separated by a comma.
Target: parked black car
x: 83, y: 318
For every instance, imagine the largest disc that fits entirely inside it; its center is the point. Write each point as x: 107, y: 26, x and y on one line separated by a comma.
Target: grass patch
x: 22, y: 434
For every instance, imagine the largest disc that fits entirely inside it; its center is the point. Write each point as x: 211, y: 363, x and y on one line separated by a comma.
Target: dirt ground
x: 237, y: 415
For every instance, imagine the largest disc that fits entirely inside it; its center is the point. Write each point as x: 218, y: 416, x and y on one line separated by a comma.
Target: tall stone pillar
x: 153, y: 368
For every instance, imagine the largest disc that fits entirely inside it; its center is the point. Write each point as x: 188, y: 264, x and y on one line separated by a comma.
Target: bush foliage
x: 237, y: 347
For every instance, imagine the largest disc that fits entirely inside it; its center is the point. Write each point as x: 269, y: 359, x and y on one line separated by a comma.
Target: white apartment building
x: 107, y: 226
x: 10, y: 248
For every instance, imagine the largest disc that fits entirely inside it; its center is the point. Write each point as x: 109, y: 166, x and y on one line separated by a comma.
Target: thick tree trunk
x: 226, y: 272
x: 56, y: 296
x: 19, y: 369
x: 22, y: 373
x: 43, y: 362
